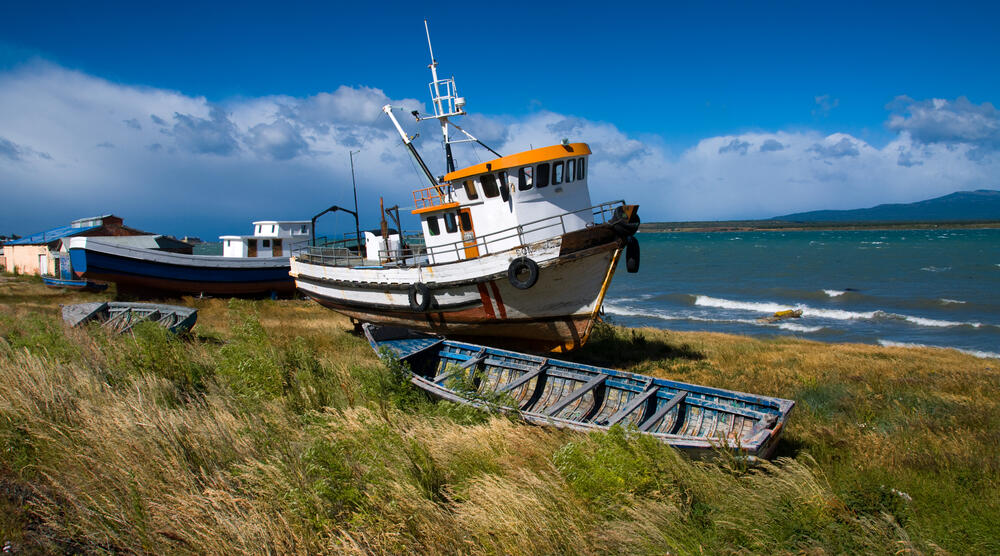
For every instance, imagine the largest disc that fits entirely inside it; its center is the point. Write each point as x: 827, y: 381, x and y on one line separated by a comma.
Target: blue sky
x: 806, y: 104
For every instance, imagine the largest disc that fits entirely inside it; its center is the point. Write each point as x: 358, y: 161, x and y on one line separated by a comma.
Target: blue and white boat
x: 550, y: 392
x: 250, y: 266
x: 70, y: 284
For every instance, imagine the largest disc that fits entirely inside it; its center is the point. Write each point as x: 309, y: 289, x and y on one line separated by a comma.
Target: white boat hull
x: 475, y: 298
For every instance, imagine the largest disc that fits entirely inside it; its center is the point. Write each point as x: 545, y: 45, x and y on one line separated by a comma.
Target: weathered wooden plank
x: 526, y: 377
x: 648, y: 423
x: 469, y: 363
x: 575, y: 395
x: 632, y: 405
x: 474, y: 360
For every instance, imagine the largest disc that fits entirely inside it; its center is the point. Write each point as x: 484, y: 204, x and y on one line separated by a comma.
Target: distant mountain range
x: 982, y: 204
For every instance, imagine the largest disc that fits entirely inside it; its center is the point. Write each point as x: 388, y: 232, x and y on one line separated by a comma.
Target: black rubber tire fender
x: 632, y: 255
x: 419, y: 289
x: 519, y: 265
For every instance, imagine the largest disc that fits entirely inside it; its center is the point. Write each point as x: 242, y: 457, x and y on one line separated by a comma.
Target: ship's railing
x: 344, y: 252
x: 413, y: 250
x: 548, y: 227
x: 432, y: 196
x: 333, y: 252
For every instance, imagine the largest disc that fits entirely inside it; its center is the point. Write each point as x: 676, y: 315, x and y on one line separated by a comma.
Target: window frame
x: 433, y: 228
x: 581, y: 168
x: 489, y: 183
x: 542, y: 175
x: 525, y: 178
x: 558, y: 169
x: 470, y: 189
x: 450, y: 224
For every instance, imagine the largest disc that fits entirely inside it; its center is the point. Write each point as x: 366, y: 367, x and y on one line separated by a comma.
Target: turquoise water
x: 912, y: 287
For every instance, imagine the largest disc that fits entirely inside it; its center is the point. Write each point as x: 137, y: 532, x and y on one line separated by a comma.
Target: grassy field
x: 273, y: 429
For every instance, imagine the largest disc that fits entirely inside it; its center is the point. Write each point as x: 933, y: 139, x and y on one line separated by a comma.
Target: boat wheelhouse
x: 512, y: 249
x: 270, y: 238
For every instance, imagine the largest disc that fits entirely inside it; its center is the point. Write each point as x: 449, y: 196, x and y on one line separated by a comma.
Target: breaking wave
x: 836, y: 314
x: 972, y: 352
x: 629, y: 311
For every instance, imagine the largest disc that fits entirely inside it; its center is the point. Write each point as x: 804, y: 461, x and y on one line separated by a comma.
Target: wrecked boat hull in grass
x: 121, y: 316
x: 543, y: 391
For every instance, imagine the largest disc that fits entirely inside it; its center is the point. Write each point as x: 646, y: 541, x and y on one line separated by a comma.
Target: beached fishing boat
x: 511, y: 249
x: 251, y: 265
x: 121, y: 316
x: 563, y: 394
x: 78, y: 285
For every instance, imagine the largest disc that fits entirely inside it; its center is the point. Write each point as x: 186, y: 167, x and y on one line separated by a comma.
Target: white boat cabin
x: 510, y: 201
x: 271, y: 238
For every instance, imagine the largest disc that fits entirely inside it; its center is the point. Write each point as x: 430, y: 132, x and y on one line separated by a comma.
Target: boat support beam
x: 633, y: 404
x: 576, y: 395
x: 655, y: 418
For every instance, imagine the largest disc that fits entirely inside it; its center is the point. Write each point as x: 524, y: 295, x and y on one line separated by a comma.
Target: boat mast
x: 447, y: 103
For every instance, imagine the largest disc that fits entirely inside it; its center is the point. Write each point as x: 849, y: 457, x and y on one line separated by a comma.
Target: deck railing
x: 432, y: 196
x: 414, y: 252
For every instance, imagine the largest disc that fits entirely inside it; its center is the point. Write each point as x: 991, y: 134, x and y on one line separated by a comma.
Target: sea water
x: 894, y: 288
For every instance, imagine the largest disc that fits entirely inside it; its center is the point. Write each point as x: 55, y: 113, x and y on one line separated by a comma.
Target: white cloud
x: 950, y: 122
x: 76, y: 144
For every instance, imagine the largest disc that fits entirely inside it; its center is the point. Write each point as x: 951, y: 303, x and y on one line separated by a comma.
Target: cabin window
x: 265, y: 243
x: 504, y: 186
x: 258, y: 229
x: 302, y: 230
x: 449, y: 222
x: 432, y: 225
x: 489, y: 182
x: 470, y: 189
x: 570, y: 170
x: 524, y: 178
x: 465, y: 221
x: 543, y: 175
x: 229, y: 243
x: 557, y: 173
x: 581, y: 163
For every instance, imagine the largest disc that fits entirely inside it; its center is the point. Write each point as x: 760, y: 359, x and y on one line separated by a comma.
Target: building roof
x: 49, y: 236
x: 79, y: 221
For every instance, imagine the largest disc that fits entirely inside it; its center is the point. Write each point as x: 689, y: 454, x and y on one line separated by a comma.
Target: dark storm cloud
x: 213, y: 135
x: 771, y: 145
x: 844, y: 147
x: 278, y: 140
x: 735, y: 146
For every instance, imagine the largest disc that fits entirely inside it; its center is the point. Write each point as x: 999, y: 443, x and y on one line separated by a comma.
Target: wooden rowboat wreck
x: 545, y: 391
x: 121, y: 317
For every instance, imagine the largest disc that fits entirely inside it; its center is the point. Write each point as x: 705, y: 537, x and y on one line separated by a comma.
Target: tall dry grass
x: 272, y: 429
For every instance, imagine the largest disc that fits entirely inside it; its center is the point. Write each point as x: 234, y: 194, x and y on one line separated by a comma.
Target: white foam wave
x: 936, y: 268
x: 797, y: 327
x: 947, y: 301
x: 834, y: 293
x: 835, y: 314
x: 972, y: 352
x: 933, y: 322
x: 629, y: 311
